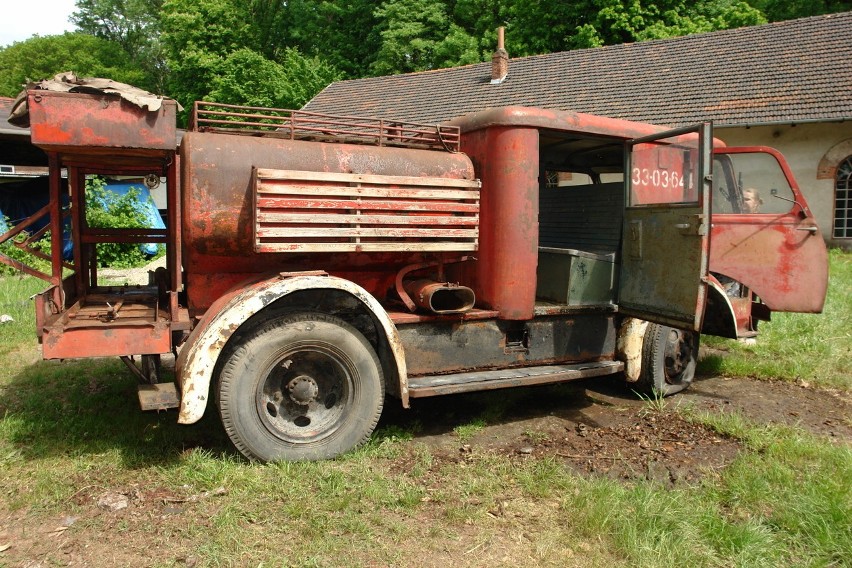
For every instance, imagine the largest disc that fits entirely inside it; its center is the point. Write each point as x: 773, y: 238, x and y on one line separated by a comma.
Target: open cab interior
x: 606, y: 241
x: 581, y: 210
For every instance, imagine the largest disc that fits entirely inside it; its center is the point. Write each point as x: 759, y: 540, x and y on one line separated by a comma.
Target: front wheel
x: 669, y: 357
x: 303, y: 387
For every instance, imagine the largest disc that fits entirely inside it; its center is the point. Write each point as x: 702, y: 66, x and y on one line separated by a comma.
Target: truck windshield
x: 751, y: 182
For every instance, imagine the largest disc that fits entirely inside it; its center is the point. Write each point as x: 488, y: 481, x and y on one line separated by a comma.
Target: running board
x: 434, y: 385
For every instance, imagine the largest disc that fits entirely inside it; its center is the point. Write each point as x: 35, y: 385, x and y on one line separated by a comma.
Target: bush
x: 10, y: 250
x: 105, y: 209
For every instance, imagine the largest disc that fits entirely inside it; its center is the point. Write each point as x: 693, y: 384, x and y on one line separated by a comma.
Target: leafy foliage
x: 105, y: 209
x: 42, y: 57
x: 621, y: 21
x: 9, y: 250
x: 342, y: 33
x: 246, y: 77
x: 419, y: 35
x: 282, y: 53
x: 131, y: 24
x: 779, y: 10
x: 232, y: 52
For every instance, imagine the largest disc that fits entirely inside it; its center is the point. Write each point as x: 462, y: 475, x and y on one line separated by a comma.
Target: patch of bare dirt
x: 601, y: 428
x: 105, y: 529
x: 821, y: 412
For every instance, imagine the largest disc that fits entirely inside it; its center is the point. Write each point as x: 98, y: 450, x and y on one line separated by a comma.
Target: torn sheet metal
x: 69, y: 83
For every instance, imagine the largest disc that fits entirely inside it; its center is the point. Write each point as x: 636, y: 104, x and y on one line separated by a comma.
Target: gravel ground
x: 131, y: 275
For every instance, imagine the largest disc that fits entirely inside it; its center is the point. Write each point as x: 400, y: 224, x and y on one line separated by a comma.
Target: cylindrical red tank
x: 218, y: 231
x: 506, y: 160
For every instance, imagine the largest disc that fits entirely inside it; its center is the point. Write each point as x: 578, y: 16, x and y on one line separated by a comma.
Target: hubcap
x: 303, y: 390
x: 305, y: 393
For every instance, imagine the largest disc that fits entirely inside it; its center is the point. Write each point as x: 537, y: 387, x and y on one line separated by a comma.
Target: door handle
x: 811, y: 230
x: 692, y: 225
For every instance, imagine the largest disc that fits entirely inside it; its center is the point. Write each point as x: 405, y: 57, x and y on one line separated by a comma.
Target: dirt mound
x: 597, y: 427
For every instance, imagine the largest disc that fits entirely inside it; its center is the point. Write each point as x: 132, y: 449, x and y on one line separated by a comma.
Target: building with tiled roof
x: 784, y: 84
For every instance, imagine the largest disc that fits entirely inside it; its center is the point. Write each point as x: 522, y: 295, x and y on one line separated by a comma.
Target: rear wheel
x: 669, y: 357
x: 303, y: 387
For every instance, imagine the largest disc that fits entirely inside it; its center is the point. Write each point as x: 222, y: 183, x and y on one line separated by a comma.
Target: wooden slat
x: 274, y: 189
x: 298, y: 211
x: 302, y: 218
x: 367, y: 247
x: 299, y: 175
x: 369, y: 232
x: 293, y: 203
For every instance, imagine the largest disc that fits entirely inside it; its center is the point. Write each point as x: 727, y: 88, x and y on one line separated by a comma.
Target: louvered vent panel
x: 301, y: 211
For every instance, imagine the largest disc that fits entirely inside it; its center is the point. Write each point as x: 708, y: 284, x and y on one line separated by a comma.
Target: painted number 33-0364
x: 656, y: 178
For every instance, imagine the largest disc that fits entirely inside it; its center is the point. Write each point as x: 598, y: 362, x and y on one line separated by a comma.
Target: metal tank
x: 217, y: 177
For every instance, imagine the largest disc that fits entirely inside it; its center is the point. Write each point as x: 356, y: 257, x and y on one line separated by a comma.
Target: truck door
x: 764, y: 235
x: 665, y: 238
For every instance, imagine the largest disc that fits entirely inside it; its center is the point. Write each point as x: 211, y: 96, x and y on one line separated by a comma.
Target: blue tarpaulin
x: 144, y: 204
x: 20, y: 199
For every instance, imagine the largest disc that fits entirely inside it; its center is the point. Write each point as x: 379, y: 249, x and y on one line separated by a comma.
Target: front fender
x: 720, y: 314
x: 195, y: 364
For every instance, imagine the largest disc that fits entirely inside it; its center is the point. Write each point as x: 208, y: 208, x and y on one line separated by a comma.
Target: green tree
x: 342, y: 33
x: 247, y: 77
x: 546, y: 26
x: 43, y: 57
x: 270, y: 25
x: 233, y: 52
x: 197, y: 36
x: 131, y: 24
x: 417, y: 35
x: 621, y: 21
x: 778, y: 10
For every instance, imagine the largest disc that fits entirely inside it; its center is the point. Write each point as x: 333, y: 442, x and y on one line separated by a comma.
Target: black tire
x: 307, y: 386
x: 669, y: 356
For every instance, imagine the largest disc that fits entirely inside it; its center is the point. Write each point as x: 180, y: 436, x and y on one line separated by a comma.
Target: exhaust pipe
x: 440, y: 297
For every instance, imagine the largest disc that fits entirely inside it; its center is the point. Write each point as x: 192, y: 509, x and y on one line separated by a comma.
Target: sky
x: 23, y: 18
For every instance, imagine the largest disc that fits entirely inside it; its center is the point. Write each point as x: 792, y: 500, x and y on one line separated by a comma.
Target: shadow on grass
x: 571, y: 401
x: 90, y: 407
x: 85, y: 408
x: 62, y: 408
x: 440, y: 415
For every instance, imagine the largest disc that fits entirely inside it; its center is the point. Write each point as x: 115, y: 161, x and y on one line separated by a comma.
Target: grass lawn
x: 73, y: 441
x: 809, y: 348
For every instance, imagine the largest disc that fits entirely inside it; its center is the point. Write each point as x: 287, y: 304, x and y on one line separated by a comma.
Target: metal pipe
x: 440, y: 297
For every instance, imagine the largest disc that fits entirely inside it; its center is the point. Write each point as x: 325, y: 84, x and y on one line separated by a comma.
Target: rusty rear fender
x: 199, y: 355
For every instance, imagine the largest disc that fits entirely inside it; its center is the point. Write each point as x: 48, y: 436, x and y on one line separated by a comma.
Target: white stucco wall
x: 809, y: 149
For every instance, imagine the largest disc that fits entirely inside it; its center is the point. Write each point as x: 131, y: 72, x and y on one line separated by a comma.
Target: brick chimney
x: 499, y: 60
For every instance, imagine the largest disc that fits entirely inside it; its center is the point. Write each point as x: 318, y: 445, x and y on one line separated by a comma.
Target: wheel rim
x: 305, y: 392
x: 679, y: 354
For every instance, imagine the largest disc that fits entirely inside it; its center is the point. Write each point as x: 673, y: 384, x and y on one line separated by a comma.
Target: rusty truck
x: 317, y: 265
